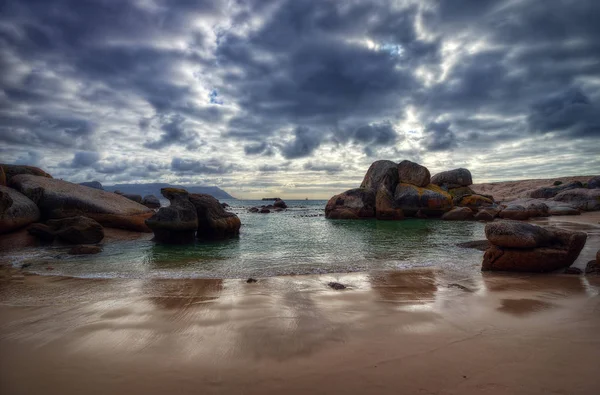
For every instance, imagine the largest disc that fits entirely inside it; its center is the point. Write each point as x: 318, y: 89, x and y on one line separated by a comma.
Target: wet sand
x: 405, y: 332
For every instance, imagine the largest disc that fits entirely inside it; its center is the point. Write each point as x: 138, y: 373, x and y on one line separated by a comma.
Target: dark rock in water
x: 336, y: 286
x: 251, y: 280
x: 214, y: 223
x: 84, y: 250
x: 453, y: 178
x: 11, y: 171
x: 177, y: 223
x: 550, y: 192
x: 16, y: 210
x: 254, y: 209
x: 264, y: 210
x: 279, y: 204
x: 42, y: 232
x: 413, y: 173
x: 573, y: 270
x: 151, y: 201
x: 224, y: 205
x: 77, y: 230
x: 92, y: 184
x: 594, y: 183
x: 581, y: 198
x: 135, y: 198
x: 62, y: 199
x: 353, y: 204
x: 480, y: 245
x: 430, y: 201
x: 381, y: 172
x: 458, y: 214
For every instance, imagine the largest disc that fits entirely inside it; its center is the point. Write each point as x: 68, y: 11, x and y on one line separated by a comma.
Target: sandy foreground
x: 410, y: 332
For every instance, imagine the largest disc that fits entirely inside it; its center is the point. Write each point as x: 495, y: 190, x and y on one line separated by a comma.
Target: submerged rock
x: 353, y: 204
x: 177, y: 223
x: 413, y: 173
x: 453, y: 178
x: 214, y: 223
x: 77, y: 230
x: 336, y: 286
x: 16, y: 210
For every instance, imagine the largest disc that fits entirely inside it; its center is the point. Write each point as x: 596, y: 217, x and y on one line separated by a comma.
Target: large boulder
x: 550, y: 192
x: 177, y: 223
x: 16, y: 210
x: 151, y: 201
x: 516, y: 212
x: 62, y: 199
x: 11, y: 171
x: 381, y: 172
x: 214, y: 223
x: 453, y: 178
x: 279, y: 204
x: 352, y: 204
x: 77, y: 230
x: 594, y: 183
x: 474, y: 202
x: 385, y: 206
x: 430, y: 201
x: 132, y: 196
x: 413, y: 173
x: 458, y: 214
x: 538, y: 250
x: 92, y: 184
x: 581, y: 198
x: 486, y: 214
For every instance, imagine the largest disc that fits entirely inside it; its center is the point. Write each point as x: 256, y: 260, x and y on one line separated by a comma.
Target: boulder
x: 581, y: 198
x: 550, y: 192
x: 11, y: 171
x: 42, y: 232
x: 458, y: 193
x: 3, y: 182
x: 253, y: 210
x: 16, y: 210
x: 485, y: 215
x: 594, y: 183
x: 516, y: 212
x: 385, y: 206
x: 279, y: 204
x: 177, y: 223
x: 151, y: 201
x: 84, y: 250
x: 474, y: 202
x: 133, y: 197
x: 453, y: 178
x: 92, y: 184
x: 458, y: 214
x: 214, y: 223
x: 264, y: 210
x: 62, y: 199
x: 381, y: 172
x: 413, y: 173
x: 517, y: 234
x: 430, y: 201
x: 537, y: 209
x: 77, y: 230
x: 564, y: 210
x: 559, y: 251
x: 353, y: 204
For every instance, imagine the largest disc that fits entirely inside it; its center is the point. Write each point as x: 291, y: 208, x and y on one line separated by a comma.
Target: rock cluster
x: 277, y: 206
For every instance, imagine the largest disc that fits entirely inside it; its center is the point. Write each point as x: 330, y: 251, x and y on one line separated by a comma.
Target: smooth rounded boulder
x: 430, y: 201
x: 517, y: 234
x: 381, y: 172
x: 279, y: 204
x: 11, y: 171
x: 550, y: 192
x: 177, y: 223
x: 458, y: 214
x: 77, y: 230
x: 352, y: 204
x: 385, y: 206
x: 594, y: 183
x: 16, y: 210
x: 413, y: 173
x: 581, y: 198
x: 516, y: 212
x: 214, y: 223
x: 453, y: 178
x: 62, y: 199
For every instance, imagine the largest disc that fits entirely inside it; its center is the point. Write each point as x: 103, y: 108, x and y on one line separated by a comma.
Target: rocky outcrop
x: 550, y: 192
x: 381, y: 172
x: 385, y: 206
x: 133, y: 197
x: 581, y: 198
x: 413, y: 173
x: 453, y: 178
x: 430, y: 201
x: 177, y: 223
x: 594, y: 182
x: 279, y: 204
x: 214, y: 223
x: 3, y: 182
x: 522, y: 247
x: 92, y: 184
x: 353, y: 204
x: 11, y: 171
x: 77, y: 230
x: 16, y: 210
x: 62, y: 199
x: 458, y: 214
x: 151, y: 201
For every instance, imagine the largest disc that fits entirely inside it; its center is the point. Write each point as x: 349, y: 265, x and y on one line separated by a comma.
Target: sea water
x: 299, y: 240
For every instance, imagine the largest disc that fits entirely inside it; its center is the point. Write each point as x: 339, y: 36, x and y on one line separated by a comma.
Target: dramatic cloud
x: 210, y: 91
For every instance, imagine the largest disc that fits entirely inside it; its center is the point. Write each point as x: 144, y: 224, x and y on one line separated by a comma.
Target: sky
x: 297, y: 98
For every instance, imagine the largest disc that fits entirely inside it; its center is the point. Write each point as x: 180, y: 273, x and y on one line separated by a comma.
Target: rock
x: 537, y: 209
x: 385, y: 206
x: 16, y: 210
x: 573, y: 270
x: 224, y: 205
x: 11, y: 171
x: 592, y: 267
x: 550, y: 192
x: 515, y: 212
x: 264, y: 210
x: 581, y: 198
x: 474, y: 202
x: 557, y: 183
x: 134, y: 197
x: 3, y: 182
x: 480, y: 245
x: 458, y: 193
x: 486, y: 215
x: 458, y: 214
x: 430, y: 201
x: 336, y: 286
x: 254, y: 209
x: 77, y: 230
x: 352, y: 204
x: 251, y: 280
x: 557, y: 251
x: 453, y: 178
x: 84, y: 250
x: 92, y: 184
x: 62, y: 199
x: 413, y: 173
x: 564, y: 210
x: 177, y: 223
x: 517, y: 234
x: 594, y: 183
x: 214, y: 223
x: 151, y: 201
x: 42, y: 232
x: 279, y: 204
x: 381, y: 172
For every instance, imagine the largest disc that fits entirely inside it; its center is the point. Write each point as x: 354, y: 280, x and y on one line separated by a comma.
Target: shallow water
x: 297, y: 241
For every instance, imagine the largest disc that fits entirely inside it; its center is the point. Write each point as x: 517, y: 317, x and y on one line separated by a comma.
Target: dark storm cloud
x: 85, y: 159
x: 212, y: 166
x: 304, y: 143
x: 259, y: 149
x: 174, y: 132
x: 329, y: 168
x: 439, y: 137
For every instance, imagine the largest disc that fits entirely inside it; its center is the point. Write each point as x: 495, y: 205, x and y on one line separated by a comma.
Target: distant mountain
x: 154, y: 189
